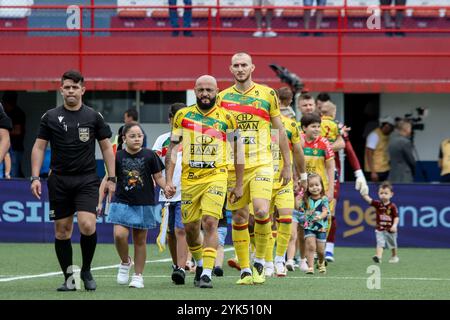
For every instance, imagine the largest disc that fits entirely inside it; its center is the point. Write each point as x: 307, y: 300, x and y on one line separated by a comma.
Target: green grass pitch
x: 420, y: 274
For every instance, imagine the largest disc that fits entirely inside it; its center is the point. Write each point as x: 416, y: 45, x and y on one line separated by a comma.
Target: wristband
x: 303, y: 176
x: 112, y: 179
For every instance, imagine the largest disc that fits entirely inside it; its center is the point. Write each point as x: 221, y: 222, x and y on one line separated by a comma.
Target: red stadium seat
x: 160, y: 13
x: 231, y: 13
x: 289, y: 13
x: 428, y: 13
x: 132, y: 13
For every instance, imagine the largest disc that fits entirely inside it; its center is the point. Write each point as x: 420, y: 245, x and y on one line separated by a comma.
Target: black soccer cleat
x: 198, y: 273
x: 218, y: 271
x: 205, y: 282
x: 88, y: 280
x: 178, y: 276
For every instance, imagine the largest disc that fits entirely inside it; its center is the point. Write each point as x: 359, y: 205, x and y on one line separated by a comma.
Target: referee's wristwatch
x: 33, y: 178
x: 112, y: 179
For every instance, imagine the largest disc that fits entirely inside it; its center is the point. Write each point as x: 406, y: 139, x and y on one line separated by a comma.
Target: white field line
x: 50, y: 274
x: 324, y: 277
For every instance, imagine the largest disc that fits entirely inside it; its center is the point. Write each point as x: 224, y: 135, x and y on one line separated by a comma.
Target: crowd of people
x: 239, y: 150
x: 264, y: 16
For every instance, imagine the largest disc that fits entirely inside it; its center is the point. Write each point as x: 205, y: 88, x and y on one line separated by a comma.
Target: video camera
x: 417, y: 122
x: 290, y: 78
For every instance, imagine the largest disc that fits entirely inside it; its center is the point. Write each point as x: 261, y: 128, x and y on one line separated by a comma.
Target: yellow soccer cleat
x: 258, y: 273
x: 246, y: 279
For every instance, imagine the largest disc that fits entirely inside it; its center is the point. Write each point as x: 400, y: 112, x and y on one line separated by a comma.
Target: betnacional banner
x: 424, y: 212
x: 424, y: 216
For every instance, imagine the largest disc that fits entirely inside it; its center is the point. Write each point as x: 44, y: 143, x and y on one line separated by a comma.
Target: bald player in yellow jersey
x: 205, y: 131
x: 257, y: 111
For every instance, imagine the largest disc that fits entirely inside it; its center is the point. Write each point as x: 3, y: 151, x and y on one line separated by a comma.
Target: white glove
x: 364, y: 191
x: 360, y: 180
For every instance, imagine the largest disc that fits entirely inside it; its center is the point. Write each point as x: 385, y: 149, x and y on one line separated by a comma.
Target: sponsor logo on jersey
x: 202, y: 164
x: 248, y: 140
x: 204, y: 149
x: 263, y: 179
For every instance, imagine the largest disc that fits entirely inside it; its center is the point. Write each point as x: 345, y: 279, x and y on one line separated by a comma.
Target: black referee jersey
x: 72, y: 136
x: 5, y: 121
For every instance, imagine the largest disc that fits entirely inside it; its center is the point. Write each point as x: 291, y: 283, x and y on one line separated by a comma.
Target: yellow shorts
x: 283, y: 198
x: 203, y: 199
x: 258, y: 183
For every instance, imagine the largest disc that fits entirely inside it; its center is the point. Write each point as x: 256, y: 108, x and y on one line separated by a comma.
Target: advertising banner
x: 424, y: 212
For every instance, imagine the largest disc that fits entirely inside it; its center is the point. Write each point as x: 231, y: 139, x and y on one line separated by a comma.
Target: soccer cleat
x: 322, y: 267
x: 394, y: 259
x: 310, y: 271
x: 218, y: 271
x: 205, y: 282
x: 280, y: 269
x: 234, y: 263
x: 178, y: 275
x: 269, y: 269
x: 137, y: 281
x: 198, y: 273
x: 329, y: 256
x: 304, y: 265
x: 376, y: 259
x: 88, y: 280
x: 65, y: 288
x: 246, y: 279
x: 290, y: 265
x: 258, y: 273
x: 123, y: 274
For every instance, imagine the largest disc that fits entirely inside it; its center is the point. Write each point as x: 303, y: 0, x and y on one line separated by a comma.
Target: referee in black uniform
x: 5, y: 125
x: 73, y: 182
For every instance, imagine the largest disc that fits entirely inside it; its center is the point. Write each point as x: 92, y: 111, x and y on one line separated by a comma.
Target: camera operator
x: 402, y: 161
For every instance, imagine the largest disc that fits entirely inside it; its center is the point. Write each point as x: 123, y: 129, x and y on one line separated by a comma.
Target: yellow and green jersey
x: 206, y: 151
x: 317, y: 153
x: 293, y: 135
x: 253, y: 110
x: 329, y: 129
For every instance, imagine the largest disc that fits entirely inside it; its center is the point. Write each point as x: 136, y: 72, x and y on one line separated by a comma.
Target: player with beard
x: 257, y: 110
x: 204, y: 130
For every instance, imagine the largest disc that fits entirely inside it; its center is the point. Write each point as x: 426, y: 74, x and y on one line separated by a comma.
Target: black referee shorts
x: 70, y: 194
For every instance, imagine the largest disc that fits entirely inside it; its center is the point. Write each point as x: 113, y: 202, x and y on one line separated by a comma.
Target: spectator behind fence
x: 17, y: 116
x: 402, y: 161
x: 376, y: 157
x: 258, y: 16
x: 444, y: 160
x: 187, y: 18
x: 307, y: 15
x: 388, y: 24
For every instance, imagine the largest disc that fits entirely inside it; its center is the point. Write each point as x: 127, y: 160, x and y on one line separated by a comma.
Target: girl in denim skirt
x: 134, y: 206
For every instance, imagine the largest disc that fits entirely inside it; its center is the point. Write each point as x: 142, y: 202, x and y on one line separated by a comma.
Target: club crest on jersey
x: 83, y: 134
